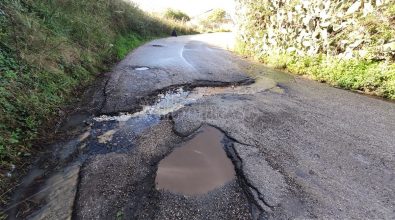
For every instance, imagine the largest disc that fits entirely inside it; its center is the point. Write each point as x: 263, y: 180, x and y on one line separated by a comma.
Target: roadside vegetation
x: 216, y: 21
x: 352, y: 45
x: 368, y: 76
x: 176, y: 15
x: 49, y: 49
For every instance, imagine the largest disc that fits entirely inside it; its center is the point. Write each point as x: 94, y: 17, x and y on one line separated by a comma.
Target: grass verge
x: 370, y: 77
x: 47, y: 50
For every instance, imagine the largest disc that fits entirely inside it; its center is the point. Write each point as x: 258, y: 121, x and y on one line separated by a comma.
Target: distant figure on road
x: 174, y: 33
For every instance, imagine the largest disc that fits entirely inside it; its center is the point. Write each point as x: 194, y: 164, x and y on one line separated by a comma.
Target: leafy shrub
x: 214, y: 21
x: 49, y: 48
x: 363, y: 75
x: 217, y: 16
x: 176, y: 15
x: 258, y: 30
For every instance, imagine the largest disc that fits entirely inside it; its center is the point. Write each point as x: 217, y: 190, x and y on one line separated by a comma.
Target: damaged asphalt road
x: 300, y: 149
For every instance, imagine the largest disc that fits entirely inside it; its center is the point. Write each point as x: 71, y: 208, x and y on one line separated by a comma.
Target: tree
x: 214, y: 20
x: 176, y: 15
x: 217, y: 16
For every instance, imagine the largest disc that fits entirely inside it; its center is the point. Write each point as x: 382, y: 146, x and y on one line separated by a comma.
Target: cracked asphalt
x: 301, y: 149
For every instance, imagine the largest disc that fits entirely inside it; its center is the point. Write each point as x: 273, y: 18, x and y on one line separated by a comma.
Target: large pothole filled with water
x: 198, y: 166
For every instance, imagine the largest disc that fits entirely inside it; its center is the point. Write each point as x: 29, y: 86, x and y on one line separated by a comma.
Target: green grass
x: 176, y: 15
x: 124, y: 43
x: 48, y: 49
x: 372, y: 73
x: 377, y: 78
x: 371, y: 77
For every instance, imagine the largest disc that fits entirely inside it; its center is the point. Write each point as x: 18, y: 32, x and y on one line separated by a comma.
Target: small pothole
x: 198, y: 166
x: 157, y: 45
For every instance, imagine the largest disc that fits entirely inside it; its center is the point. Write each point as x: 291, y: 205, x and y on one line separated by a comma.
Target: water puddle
x: 28, y: 184
x: 106, y: 137
x: 200, y: 165
x: 57, y: 193
x: 74, y: 121
x: 166, y: 103
x: 141, y: 68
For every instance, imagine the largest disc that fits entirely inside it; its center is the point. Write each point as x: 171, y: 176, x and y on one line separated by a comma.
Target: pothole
x: 166, y: 103
x: 142, y: 68
x: 197, y: 167
x: 157, y: 45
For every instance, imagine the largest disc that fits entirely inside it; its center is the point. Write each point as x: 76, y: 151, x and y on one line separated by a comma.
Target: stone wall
x: 347, y: 29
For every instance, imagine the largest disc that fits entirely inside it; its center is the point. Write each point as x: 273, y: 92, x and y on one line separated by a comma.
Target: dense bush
x: 217, y: 16
x: 215, y: 21
x: 176, y: 15
x: 50, y: 47
x: 376, y: 78
x: 344, y: 43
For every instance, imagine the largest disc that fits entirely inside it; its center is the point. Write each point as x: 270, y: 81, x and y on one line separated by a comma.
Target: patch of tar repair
x: 106, y: 137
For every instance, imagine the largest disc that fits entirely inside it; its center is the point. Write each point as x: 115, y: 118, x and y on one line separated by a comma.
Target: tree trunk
x: 362, y: 5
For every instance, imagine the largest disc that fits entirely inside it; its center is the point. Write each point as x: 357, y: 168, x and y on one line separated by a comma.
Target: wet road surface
x: 278, y: 146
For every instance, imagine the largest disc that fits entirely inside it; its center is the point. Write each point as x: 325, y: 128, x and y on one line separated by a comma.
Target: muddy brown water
x: 196, y: 167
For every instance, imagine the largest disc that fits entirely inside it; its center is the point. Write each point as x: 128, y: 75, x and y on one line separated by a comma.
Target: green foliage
x: 124, y: 43
x: 240, y: 47
x: 176, y: 15
x: 363, y: 75
x: 217, y: 16
x: 375, y: 29
x: 391, y: 9
x: 119, y: 215
x: 49, y: 48
x: 214, y: 21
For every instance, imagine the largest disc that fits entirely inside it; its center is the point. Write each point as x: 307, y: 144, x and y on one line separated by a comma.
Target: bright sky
x: 191, y: 7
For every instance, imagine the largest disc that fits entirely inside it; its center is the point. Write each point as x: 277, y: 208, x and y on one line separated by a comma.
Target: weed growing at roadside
x: 371, y: 77
x: 48, y: 49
